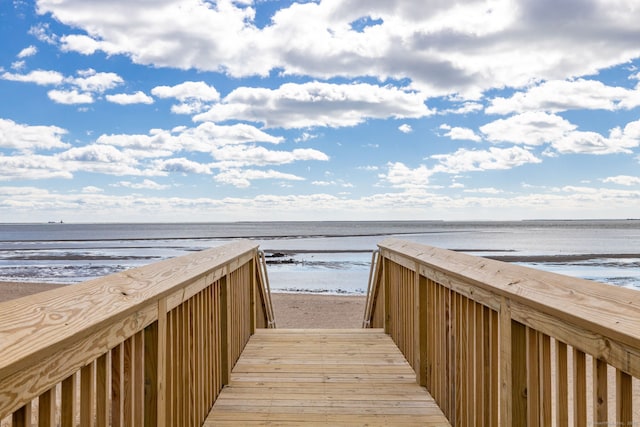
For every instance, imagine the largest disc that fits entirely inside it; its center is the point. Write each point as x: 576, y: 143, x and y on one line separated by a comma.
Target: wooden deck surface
x: 289, y: 377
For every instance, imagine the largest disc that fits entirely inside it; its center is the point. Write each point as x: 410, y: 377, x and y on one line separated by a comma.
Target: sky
x: 197, y: 110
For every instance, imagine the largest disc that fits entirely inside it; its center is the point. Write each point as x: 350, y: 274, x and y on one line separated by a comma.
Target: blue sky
x: 187, y: 110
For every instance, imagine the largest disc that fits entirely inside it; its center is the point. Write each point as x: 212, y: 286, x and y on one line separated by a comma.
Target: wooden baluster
x: 152, y: 372
x: 138, y: 388
x: 47, y: 408
x: 494, y: 368
x: 545, y: 380
x: 600, y: 393
x: 518, y: 374
x: 22, y: 417
x: 624, y: 402
x: 68, y: 403
x: 562, y: 387
x: 579, y: 388
x: 533, y: 377
x: 87, y: 395
x: 117, y: 386
x: 102, y: 391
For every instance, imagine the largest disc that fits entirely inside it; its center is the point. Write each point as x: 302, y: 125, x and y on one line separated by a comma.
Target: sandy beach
x: 291, y: 310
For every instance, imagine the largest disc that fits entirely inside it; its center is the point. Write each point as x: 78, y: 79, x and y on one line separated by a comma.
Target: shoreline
x: 292, y: 310
x: 275, y: 255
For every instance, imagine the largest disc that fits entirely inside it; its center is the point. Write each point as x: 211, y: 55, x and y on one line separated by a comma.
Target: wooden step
x: 323, y: 377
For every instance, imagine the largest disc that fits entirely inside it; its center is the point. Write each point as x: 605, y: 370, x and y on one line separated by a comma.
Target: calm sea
x: 323, y: 257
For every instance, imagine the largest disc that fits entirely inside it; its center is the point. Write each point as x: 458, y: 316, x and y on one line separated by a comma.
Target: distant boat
x: 55, y: 222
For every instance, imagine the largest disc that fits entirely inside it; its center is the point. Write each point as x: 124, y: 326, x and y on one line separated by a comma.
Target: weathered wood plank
x: 289, y: 388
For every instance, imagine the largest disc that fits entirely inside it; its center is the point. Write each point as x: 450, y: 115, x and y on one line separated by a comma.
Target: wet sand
x: 291, y: 310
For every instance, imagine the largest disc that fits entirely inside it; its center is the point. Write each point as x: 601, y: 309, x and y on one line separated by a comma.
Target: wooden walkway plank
x: 315, y: 377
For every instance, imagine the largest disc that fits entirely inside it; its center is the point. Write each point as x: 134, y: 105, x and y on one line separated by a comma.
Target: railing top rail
x: 609, y: 310
x: 42, y: 324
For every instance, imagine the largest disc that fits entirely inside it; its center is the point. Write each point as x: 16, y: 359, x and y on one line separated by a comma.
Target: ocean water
x: 319, y: 257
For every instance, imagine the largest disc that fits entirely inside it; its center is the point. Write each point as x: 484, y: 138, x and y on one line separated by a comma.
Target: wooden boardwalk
x: 323, y: 377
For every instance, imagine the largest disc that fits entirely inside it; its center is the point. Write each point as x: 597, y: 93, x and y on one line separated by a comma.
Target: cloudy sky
x: 196, y: 110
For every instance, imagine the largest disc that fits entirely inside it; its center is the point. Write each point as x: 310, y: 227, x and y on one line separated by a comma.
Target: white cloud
x: 460, y: 133
x: 39, y: 77
x: 242, y: 178
x: 465, y: 108
x: 26, y: 138
x: 623, y: 180
x: 531, y: 128
x: 206, y: 137
x: 42, y: 32
x: 479, y: 160
x: 91, y: 189
x: 240, y: 155
x: 449, y: 47
x: 183, y: 166
x: 562, y: 95
x: 306, y: 136
x: 101, y: 159
x: 186, y: 91
x: 485, y: 190
x: 405, y: 205
x: 32, y: 167
x: 405, y: 128
x: 146, y: 184
x: 401, y: 176
x: 195, y: 97
x: 91, y: 81
x: 317, y: 104
x: 333, y: 183
x: 619, y: 141
x: 95, y: 153
x: 87, y: 46
x: 138, y: 97
x: 28, y: 51
x: 70, y: 97
x: 18, y: 65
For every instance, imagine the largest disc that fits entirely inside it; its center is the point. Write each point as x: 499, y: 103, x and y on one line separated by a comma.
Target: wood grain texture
x: 39, y: 325
x: 611, y: 311
x: 298, y: 377
x: 528, y: 311
x: 50, y: 336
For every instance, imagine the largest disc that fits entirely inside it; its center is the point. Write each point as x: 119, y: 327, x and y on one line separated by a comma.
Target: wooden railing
x: 149, y: 346
x: 501, y: 344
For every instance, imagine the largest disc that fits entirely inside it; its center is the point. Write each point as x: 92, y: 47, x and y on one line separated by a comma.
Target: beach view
x: 249, y: 212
